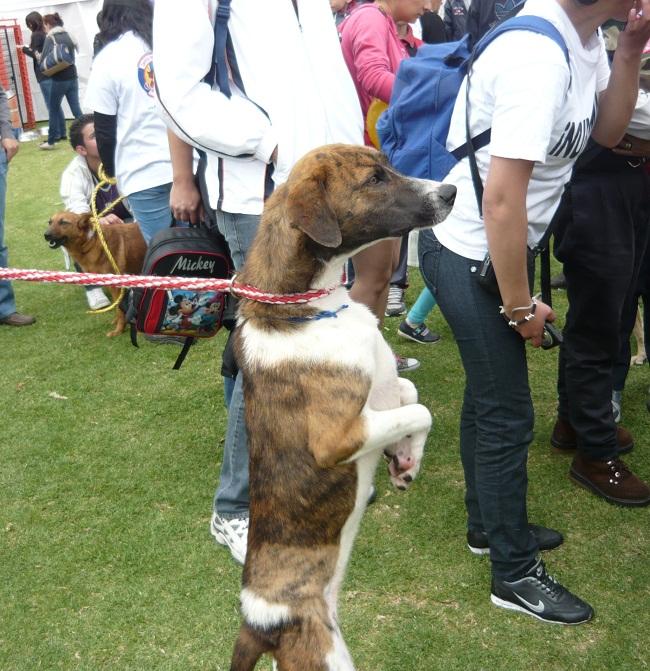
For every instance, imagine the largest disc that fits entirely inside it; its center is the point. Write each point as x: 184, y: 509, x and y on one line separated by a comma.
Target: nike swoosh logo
x: 539, y: 608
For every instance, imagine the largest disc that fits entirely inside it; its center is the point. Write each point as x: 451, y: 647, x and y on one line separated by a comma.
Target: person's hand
x: 637, y: 30
x: 11, y: 146
x: 185, y: 201
x: 110, y: 219
x: 533, y: 330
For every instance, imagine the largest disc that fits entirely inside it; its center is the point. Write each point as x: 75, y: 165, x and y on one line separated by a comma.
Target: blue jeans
x: 58, y: 121
x: 496, y: 424
x: 151, y: 210
x: 231, y: 498
x: 68, y: 88
x: 7, y: 300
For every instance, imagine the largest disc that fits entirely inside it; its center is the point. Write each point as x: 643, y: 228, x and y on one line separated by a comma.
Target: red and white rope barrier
x: 161, y: 282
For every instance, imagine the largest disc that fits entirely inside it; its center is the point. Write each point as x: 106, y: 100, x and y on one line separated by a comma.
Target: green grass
x: 105, y: 498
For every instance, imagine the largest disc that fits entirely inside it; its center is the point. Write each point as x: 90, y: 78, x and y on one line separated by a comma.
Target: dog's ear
x: 308, y: 209
x: 84, y: 222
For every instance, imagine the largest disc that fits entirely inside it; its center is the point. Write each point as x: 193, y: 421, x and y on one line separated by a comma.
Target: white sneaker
x: 233, y: 533
x: 46, y: 145
x: 97, y: 299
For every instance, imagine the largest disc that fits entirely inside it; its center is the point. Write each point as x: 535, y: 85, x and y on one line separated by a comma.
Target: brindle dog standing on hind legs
x: 323, y: 400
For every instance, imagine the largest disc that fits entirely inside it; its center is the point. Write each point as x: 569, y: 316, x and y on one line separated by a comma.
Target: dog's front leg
x: 387, y: 428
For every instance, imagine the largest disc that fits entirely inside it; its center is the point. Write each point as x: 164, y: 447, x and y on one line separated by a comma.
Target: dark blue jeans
x: 496, y: 424
x: 68, y: 88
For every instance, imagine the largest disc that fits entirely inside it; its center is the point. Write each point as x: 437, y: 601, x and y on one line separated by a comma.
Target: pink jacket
x: 372, y: 51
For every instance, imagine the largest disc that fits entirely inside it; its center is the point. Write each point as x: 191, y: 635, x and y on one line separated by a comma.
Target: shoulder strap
x: 219, y: 69
x: 534, y: 24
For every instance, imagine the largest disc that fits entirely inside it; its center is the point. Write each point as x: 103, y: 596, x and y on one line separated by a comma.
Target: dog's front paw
x: 404, y: 460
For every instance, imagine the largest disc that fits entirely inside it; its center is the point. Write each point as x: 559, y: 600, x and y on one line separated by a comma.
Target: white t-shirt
x: 121, y: 83
x: 522, y: 89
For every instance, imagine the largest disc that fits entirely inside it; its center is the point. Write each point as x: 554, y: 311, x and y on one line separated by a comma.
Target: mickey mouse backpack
x: 187, y: 252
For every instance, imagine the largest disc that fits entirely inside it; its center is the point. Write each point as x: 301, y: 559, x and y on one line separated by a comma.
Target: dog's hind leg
x: 313, y: 645
x: 249, y: 647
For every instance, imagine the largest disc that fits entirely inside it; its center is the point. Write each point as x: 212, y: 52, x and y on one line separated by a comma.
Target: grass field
x: 109, y: 464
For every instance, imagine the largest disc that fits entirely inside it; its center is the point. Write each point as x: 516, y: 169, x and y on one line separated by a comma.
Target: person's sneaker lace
x: 540, y: 595
x: 395, y: 305
x: 231, y: 532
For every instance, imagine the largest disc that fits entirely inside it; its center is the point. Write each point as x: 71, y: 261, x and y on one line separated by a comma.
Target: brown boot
x: 611, y: 480
x: 16, y: 319
x: 564, y: 440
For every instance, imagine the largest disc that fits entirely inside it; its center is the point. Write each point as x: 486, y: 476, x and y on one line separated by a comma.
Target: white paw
x: 405, y: 458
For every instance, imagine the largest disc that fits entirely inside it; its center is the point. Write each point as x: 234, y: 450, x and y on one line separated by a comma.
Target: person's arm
x: 374, y: 73
x: 206, y: 118
x: 617, y: 102
x: 185, y: 198
x: 76, y: 189
x: 506, y: 226
x: 106, y: 137
x: 9, y: 143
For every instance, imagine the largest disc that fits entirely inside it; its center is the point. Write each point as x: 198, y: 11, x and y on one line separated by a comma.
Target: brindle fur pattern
x: 308, y: 408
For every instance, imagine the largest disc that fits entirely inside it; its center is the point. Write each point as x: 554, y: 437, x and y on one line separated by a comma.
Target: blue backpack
x: 413, y: 130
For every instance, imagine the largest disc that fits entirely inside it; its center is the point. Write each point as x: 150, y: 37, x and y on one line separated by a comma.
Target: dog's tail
x: 250, y: 646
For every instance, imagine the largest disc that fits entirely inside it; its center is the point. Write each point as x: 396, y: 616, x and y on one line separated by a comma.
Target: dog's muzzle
x: 53, y: 241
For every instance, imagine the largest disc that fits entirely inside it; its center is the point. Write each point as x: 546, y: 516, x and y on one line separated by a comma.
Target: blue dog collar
x: 323, y: 314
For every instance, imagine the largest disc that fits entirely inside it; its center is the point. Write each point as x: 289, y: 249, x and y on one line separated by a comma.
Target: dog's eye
x: 378, y: 177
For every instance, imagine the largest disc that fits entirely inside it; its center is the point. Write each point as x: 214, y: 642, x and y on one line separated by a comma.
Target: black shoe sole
x: 508, y: 605
x: 583, y: 482
x: 420, y: 342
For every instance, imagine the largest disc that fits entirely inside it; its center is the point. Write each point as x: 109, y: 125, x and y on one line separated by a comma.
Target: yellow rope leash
x: 104, y: 181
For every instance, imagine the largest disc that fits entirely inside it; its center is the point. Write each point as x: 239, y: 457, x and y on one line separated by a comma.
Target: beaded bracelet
x: 513, y: 323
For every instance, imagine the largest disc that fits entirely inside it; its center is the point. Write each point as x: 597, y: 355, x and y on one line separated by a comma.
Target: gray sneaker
x: 395, y: 305
x: 406, y: 364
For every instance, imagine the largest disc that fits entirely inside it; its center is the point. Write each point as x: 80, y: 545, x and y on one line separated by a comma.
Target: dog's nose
x: 47, y: 236
x: 447, y: 192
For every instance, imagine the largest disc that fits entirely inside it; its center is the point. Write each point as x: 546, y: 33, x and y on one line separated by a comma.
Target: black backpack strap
x: 189, y: 341
x: 134, y: 334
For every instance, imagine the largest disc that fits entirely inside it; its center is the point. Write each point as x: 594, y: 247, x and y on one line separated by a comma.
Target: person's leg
x: 72, y: 96
x: 231, y: 502
x: 421, y: 308
x: 399, y: 278
x: 597, y: 250
x: 373, y: 268
x: 497, y: 418
x: 7, y: 298
x: 54, y: 111
x: 150, y: 209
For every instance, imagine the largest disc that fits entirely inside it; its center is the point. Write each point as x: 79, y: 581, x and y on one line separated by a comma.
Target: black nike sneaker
x: 547, y: 539
x: 540, y: 595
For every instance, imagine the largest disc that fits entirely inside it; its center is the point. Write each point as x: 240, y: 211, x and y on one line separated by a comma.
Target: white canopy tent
x: 79, y: 18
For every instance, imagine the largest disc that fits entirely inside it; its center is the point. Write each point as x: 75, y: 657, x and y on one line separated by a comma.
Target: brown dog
x: 76, y: 234
x: 322, y: 397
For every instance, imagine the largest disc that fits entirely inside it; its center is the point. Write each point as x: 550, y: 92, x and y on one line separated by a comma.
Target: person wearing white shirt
x: 541, y: 111
x: 290, y: 92
x: 131, y: 136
